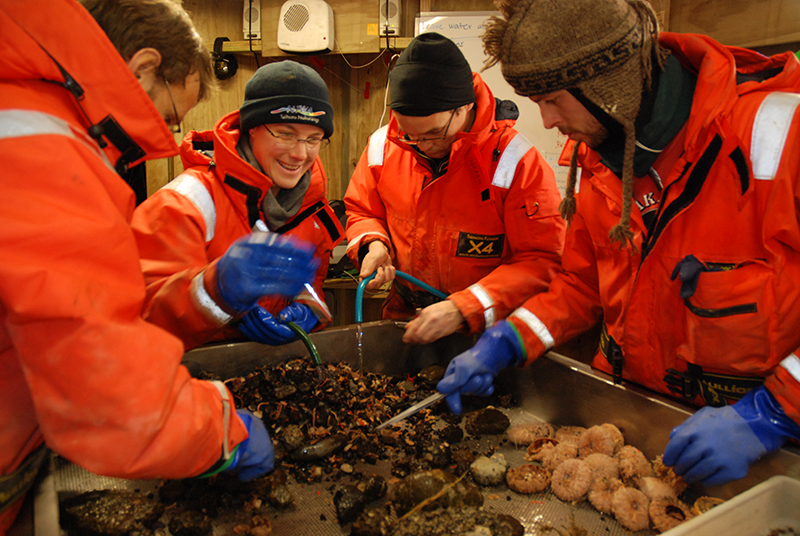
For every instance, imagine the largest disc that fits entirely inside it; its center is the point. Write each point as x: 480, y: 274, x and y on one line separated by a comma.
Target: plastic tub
x: 771, y: 507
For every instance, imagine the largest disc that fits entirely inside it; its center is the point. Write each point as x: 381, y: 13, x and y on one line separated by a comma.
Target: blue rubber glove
x: 254, y: 456
x: 264, y: 264
x: 717, y: 445
x: 260, y: 326
x: 473, y: 372
x: 301, y: 314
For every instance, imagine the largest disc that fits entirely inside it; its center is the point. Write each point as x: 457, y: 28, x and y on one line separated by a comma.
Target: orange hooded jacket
x: 487, y: 232
x: 191, y: 222
x: 79, y: 368
x: 731, y: 200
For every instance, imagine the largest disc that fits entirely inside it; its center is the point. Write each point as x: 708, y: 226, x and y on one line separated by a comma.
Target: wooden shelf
x: 396, y: 42
x: 238, y: 47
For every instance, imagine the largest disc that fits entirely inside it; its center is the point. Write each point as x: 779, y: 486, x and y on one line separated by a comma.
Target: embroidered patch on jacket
x: 480, y: 246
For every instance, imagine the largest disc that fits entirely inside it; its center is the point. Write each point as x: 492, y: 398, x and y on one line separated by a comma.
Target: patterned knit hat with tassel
x: 604, y: 48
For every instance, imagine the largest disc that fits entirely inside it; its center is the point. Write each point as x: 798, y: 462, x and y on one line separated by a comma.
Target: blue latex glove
x: 264, y: 264
x: 301, y: 314
x: 260, y: 326
x: 717, y: 445
x: 254, y: 456
x: 473, y: 371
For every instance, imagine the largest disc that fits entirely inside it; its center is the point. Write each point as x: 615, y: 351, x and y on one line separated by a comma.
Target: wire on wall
x: 392, y: 60
x: 250, y: 31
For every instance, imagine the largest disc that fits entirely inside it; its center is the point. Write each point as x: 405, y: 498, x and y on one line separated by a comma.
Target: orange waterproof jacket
x: 487, y: 232
x: 192, y: 221
x: 731, y: 201
x: 79, y: 368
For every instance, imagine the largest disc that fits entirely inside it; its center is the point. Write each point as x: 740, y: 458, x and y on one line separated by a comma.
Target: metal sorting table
x: 555, y: 389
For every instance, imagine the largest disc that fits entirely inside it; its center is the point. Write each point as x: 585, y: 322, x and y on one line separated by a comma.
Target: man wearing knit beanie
x: 695, y: 283
x: 257, y: 170
x: 451, y: 199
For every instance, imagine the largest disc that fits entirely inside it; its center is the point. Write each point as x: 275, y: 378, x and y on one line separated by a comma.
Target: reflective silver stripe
x: 792, y: 366
x: 195, y: 191
x: 226, y: 417
x: 22, y: 123
x: 486, y: 301
x: 536, y: 325
x: 507, y: 166
x: 352, y: 243
x: 377, y: 143
x: 205, y: 302
x: 770, y: 130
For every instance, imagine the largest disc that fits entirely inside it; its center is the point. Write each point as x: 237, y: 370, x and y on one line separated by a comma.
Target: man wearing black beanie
x: 257, y: 170
x: 451, y: 195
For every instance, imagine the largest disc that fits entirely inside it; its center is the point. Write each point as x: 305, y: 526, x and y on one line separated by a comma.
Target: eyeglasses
x: 288, y: 140
x: 405, y: 139
x: 176, y: 128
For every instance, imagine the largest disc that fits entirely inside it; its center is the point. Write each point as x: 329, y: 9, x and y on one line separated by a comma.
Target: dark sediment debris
x: 110, y: 512
x: 184, y: 522
x: 464, y: 520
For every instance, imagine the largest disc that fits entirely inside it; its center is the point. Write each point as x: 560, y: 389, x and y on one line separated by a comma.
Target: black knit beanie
x: 430, y: 76
x: 286, y: 92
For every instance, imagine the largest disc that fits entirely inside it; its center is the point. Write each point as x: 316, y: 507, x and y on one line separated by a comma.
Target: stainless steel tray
x: 555, y: 389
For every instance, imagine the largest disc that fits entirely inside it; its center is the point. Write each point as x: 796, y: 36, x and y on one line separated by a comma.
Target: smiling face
x: 283, y: 158
x: 564, y: 112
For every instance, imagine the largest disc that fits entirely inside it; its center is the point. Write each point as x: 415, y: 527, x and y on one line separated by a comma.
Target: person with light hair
x: 88, y: 90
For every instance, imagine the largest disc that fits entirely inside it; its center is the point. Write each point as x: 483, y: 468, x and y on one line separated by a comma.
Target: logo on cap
x: 299, y: 109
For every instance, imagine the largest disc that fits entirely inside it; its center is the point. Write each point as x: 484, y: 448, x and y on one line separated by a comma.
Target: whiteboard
x: 465, y: 29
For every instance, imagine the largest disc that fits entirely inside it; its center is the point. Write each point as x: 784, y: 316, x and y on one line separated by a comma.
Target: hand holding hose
x: 377, y: 261
x: 260, y: 326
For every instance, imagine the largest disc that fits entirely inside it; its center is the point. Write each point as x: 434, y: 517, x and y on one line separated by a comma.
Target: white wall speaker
x: 306, y: 26
x: 251, y: 21
x: 389, y: 18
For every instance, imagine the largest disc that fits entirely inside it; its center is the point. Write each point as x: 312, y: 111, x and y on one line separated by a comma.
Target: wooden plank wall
x: 744, y: 23
x: 357, y: 81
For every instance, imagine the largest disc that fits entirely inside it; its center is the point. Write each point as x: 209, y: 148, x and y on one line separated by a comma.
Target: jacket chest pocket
x: 727, y: 317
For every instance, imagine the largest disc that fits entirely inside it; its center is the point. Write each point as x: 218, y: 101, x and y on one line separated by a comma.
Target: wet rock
x: 489, y: 471
x: 451, y: 434
x: 430, y: 376
x: 321, y: 449
x: 487, y: 421
x: 418, y: 487
x: 349, y: 502
x: 292, y: 436
x: 280, y: 497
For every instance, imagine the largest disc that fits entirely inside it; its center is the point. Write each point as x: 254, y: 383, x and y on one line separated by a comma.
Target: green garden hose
x: 307, y: 341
